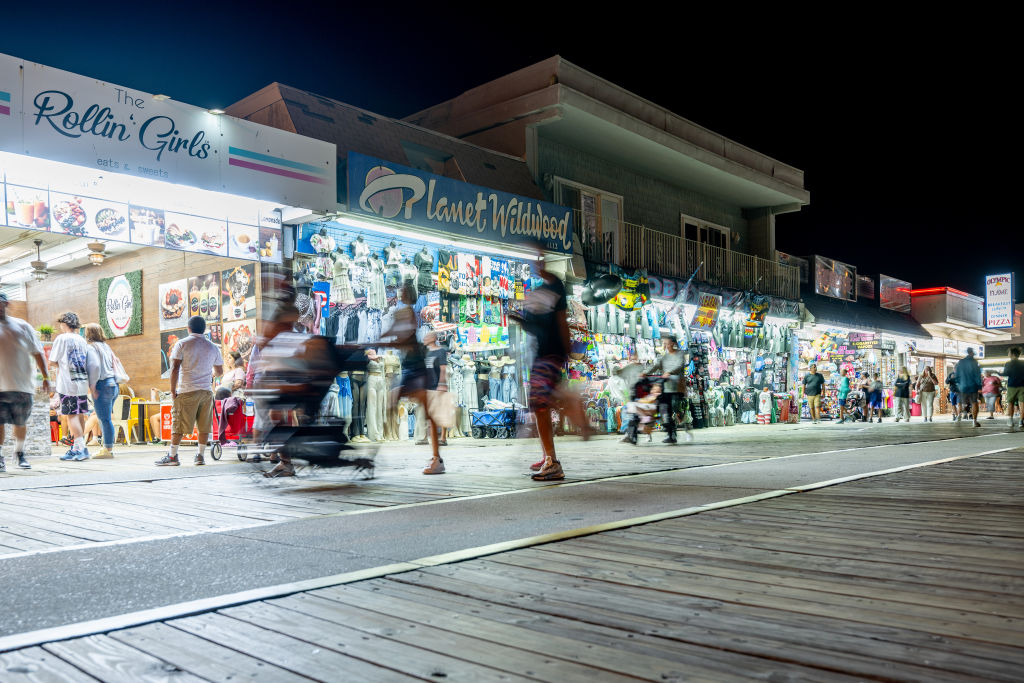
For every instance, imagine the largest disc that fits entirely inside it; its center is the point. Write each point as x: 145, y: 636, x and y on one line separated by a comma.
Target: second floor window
x: 596, y: 212
x: 705, y: 233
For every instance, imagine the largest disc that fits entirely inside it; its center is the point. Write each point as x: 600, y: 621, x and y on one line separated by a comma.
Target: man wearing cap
x: 968, y: 378
x: 69, y: 357
x: 195, y: 361
x: 18, y: 348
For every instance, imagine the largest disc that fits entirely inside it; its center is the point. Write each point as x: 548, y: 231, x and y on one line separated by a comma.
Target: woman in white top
x: 233, y: 382
x: 102, y: 385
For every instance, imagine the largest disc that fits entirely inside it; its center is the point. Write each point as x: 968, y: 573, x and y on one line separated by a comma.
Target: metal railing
x: 670, y: 255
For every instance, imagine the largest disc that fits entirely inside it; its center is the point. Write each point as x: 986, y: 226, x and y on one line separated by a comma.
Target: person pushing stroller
x: 671, y: 367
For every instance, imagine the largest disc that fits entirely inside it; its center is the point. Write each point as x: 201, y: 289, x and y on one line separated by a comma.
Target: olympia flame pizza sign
x: 999, y: 301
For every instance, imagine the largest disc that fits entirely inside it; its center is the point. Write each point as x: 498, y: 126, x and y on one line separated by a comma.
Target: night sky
x: 904, y: 125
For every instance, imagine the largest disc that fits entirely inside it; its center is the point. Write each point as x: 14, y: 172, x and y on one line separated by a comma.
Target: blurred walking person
x: 992, y: 390
x: 195, y: 361
x: 968, y: 378
x: 437, y: 364
x: 927, y: 383
x: 1014, y: 371
x: 103, y: 385
x: 544, y: 318
x: 283, y: 319
x: 415, y: 377
x: 844, y: 393
x: 953, y: 391
x: 671, y: 367
x: 19, y: 348
x: 902, y: 395
x: 875, y: 398
x: 69, y: 357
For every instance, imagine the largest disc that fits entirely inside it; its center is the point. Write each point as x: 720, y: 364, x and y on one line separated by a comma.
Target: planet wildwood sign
x: 120, y: 304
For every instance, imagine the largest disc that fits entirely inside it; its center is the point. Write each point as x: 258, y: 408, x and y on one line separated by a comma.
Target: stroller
x: 642, y: 413
x: 854, y: 407
x: 299, y: 372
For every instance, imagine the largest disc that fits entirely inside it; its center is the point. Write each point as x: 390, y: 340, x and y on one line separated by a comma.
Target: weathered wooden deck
x: 917, y: 575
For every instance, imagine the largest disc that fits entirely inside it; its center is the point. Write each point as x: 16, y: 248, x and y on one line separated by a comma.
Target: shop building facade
x: 650, y: 189
x: 136, y: 212
x: 451, y: 219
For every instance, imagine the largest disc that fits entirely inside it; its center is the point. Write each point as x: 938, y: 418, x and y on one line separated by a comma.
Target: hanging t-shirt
x: 71, y: 354
x: 748, y: 401
x: 446, y: 270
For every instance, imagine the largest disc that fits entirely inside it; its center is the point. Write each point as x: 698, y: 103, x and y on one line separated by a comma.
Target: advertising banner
x: 61, y: 116
x: 85, y: 202
x: 706, y: 315
x: 894, y: 293
x: 120, y: 304
x: 408, y: 195
x: 835, y: 279
x: 999, y: 301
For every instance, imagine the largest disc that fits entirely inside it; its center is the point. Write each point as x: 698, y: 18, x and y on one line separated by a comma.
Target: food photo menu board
x: 88, y: 217
x: 195, y: 234
x: 80, y: 215
x: 204, y: 297
x: 238, y: 287
x: 244, y: 241
x: 27, y: 207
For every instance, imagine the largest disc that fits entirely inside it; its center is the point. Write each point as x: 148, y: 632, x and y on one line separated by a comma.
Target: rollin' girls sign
x: 51, y: 114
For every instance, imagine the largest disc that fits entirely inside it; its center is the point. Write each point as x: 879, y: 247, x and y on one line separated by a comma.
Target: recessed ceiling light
x: 161, y: 98
x: 216, y: 112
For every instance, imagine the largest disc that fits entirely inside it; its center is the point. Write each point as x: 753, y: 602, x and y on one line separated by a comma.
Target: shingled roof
x: 356, y: 130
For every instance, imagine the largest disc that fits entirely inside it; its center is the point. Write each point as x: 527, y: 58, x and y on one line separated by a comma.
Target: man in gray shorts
x: 195, y: 360
x: 19, y: 347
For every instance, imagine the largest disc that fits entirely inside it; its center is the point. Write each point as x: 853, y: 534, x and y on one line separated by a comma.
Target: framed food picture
x: 238, y: 292
x: 167, y: 341
x: 215, y: 333
x: 204, y: 297
x: 239, y: 336
x: 173, y: 304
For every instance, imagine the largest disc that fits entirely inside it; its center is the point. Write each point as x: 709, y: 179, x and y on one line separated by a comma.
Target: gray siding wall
x: 647, y: 201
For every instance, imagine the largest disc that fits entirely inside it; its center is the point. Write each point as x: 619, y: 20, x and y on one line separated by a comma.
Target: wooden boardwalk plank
x: 480, y: 620
x: 425, y: 663
x: 114, y: 662
x: 36, y: 665
x: 821, y: 643
x: 201, y: 657
x: 281, y: 649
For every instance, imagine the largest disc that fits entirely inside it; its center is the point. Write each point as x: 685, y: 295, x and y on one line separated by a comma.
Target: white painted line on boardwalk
x: 192, y: 607
x: 456, y: 499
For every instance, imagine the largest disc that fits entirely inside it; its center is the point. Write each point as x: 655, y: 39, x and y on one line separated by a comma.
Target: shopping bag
x: 441, y: 408
x: 119, y: 374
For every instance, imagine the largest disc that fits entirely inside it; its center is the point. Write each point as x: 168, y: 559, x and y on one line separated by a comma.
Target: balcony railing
x: 670, y: 255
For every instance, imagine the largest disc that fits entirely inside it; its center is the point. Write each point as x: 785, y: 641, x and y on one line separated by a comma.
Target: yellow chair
x: 124, y: 418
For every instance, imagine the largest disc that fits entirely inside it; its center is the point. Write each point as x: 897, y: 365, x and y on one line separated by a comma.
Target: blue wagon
x: 493, y: 424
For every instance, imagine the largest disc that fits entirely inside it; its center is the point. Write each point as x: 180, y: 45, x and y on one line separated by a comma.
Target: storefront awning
x: 866, y: 316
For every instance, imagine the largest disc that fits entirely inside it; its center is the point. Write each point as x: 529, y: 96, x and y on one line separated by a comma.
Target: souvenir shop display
x: 729, y: 351
x: 393, y: 265
x: 349, y: 285
x: 861, y: 354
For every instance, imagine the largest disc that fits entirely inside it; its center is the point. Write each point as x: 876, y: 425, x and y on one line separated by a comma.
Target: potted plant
x: 45, y: 332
